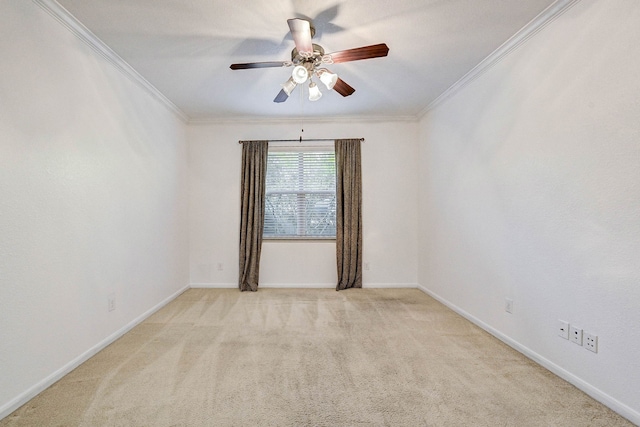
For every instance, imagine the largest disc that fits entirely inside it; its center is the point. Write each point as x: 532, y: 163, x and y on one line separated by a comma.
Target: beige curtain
x: 254, y: 172
x: 348, y: 213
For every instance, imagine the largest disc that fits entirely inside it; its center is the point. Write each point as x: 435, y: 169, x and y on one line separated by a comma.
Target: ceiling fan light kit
x: 327, y: 77
x: 299, y: 74
x: 307, y: 59
x: 289, y: 86
x: 314, y: 92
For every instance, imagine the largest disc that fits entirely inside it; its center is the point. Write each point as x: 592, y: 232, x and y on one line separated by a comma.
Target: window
x: 300, y: 193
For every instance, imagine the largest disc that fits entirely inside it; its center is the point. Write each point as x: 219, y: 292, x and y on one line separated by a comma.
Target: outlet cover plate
x: 508, y: 305
x: 563, y: 329
x: 575, y: 335
x: 591, y: 342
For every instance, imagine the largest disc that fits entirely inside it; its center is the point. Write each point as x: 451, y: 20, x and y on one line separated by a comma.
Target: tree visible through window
x: 300, y: 193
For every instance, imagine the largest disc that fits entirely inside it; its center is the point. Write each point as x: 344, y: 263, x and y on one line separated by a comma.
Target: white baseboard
x: 390, y: 285
x: 619, y: 407
x: 303, y: 285
x: 264, y: 285
x: 298, y: 285
x: 213, y: 285
x: 36, y: 389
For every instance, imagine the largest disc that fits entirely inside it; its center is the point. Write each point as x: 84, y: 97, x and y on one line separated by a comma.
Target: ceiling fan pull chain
x: 302, y: 113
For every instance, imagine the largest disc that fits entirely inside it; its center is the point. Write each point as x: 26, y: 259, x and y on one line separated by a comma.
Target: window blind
x: 300, y: 193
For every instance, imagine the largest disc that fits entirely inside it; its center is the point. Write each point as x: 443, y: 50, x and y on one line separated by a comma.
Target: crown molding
x: 57, y: 11
x: 84, y: 34
x: 293, y: 119
x: 525, y: 33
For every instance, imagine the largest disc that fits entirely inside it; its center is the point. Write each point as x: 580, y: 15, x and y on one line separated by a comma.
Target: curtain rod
x: 305, y: 140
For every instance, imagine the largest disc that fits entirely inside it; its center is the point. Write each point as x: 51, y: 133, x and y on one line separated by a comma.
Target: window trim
x: 328, y: 147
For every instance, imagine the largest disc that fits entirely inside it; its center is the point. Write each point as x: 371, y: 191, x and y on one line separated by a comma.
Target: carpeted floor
x: 310, y: 357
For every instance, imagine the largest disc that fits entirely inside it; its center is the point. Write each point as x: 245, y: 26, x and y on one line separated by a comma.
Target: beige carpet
x: 310, y: 357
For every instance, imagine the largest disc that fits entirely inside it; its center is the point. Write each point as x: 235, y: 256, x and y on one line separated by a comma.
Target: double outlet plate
x: 577, y: 336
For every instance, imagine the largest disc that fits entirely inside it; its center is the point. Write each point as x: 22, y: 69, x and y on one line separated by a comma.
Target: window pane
x: 300, y: 194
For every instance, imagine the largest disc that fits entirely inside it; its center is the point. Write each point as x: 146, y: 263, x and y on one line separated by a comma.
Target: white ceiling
x: 184, y: 49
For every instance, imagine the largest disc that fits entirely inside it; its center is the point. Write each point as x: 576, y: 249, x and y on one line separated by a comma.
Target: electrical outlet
x: 367, y: 265
x: 575, y: 335
x: 111, y: 302
x: 591, y: 342
x: 563, y: 329
x: 508, y: 305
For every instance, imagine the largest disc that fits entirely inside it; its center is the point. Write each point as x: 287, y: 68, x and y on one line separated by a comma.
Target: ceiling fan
x: 309, y: 59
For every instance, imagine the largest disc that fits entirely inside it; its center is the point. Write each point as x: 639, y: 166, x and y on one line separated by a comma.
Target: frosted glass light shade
x: 289, y: 86
x: 328, y: 78
x: 299, y: 74
x: 314, y: 92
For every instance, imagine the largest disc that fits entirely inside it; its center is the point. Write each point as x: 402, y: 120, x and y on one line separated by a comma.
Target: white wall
x: 93, y: 201
x: 530, y: 189
x: 389, y: 173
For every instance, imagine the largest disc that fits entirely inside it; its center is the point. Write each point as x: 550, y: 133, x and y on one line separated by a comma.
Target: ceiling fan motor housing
x: 314, y: 57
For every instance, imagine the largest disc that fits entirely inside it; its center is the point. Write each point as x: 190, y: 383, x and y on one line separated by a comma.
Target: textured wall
x: 389, y: 175
x: 93, y: 199
x: 530, y: 189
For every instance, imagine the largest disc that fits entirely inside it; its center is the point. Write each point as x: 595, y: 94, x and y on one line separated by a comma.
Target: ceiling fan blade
x: 301, y: 33
x: 281, y: 97
x: 250, y: 65
x: 365, y: 52
x: 343, y: 88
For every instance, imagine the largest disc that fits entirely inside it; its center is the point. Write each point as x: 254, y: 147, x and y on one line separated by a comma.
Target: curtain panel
x: 348, y: 213
x: 254, y: 172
